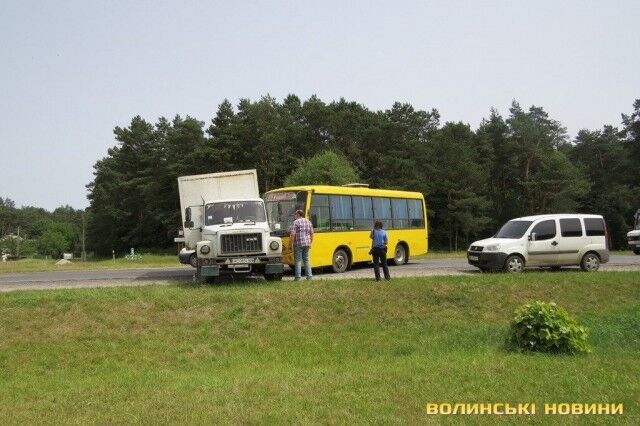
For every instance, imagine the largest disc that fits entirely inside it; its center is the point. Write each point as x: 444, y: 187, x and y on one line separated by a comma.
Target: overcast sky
x: 70, y: 71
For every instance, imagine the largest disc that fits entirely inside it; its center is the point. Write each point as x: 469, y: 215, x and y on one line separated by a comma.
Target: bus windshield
x: 513, y: 229
x: 234, y: 211
x: 281, y: 209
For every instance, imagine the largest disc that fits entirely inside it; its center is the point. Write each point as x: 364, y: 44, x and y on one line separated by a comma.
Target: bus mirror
x: 276, y: 226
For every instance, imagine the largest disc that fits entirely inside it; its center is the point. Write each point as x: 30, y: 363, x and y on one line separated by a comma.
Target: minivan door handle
x: 554, y: 243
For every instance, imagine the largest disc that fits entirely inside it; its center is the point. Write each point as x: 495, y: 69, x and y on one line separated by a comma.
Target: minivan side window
x: 594, y: 227
x: 570, y: 227
x: 545, y: 230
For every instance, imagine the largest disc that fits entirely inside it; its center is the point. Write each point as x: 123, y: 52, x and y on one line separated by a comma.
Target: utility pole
x: 84, y: 253
x: 18, y: 244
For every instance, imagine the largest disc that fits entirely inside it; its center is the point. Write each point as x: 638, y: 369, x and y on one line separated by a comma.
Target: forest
x: 473, y: 179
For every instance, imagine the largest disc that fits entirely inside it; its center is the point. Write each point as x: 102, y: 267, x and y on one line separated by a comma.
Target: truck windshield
x: 514, y: 229
x: 233, y: 212
x: 281, y: 209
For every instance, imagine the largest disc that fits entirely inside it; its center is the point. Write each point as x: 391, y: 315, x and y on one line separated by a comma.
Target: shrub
x: 546, y: 327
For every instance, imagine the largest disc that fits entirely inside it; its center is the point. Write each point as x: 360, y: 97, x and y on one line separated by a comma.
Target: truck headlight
x: 492, y: 247
x: 274, y: 245
x: 205, y: 249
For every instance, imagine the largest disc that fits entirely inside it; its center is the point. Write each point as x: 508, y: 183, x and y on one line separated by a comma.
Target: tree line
x: 473, y: 180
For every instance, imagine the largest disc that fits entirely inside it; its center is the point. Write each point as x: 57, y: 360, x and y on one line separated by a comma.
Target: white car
x: 552, y: 240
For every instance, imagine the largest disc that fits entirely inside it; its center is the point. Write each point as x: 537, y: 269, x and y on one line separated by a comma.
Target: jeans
x: 302, y: 255
x: 380, y: 256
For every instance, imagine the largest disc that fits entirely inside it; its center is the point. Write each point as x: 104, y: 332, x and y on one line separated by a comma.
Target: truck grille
x: 634, y: 238
x: 241, y: 243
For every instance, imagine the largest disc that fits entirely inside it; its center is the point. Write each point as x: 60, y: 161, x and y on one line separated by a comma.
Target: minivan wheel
x: 514, y: 264
x: 590, y: 262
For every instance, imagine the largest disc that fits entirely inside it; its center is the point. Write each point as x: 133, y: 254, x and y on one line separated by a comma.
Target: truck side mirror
x: 532, y: 236
x: 188, y: 223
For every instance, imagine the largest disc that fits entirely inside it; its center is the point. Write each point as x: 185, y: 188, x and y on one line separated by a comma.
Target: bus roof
x: 350, y: 190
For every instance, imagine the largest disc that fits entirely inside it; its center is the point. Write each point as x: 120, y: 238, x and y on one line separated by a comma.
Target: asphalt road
x: 145, y: 276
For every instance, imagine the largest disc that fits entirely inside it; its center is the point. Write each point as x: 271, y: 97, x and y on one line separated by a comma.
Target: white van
x: 551, y: 240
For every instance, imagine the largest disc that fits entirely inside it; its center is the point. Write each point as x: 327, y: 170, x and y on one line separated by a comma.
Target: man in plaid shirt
x: 300, y: 240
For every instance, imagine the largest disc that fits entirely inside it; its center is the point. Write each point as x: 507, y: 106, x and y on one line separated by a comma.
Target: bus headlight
x: 274, y: 245
x: 205, y: 249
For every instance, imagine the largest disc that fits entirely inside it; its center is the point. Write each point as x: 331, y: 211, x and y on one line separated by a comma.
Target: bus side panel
x: 325, y: 244
x: 414, y: 238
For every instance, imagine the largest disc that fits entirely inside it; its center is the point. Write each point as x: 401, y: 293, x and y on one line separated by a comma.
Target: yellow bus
x: 342, y: 218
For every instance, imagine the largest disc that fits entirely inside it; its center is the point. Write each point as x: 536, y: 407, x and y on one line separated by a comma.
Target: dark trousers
x: 380, y: 256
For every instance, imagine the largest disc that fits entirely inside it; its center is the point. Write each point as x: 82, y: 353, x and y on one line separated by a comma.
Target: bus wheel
x: 399, y: 255
x: 340, y: 261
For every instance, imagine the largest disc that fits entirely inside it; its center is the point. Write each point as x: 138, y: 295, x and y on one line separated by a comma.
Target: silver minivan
x: 551, y: 240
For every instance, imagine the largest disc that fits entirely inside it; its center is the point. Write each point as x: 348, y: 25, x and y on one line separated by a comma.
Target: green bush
x: 546, y: 327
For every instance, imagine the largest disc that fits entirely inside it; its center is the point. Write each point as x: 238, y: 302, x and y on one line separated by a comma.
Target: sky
x: 72, y: 71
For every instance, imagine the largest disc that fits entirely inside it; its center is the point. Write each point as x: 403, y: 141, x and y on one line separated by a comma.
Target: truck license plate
x: 243, y: 260
x: 474, y: 258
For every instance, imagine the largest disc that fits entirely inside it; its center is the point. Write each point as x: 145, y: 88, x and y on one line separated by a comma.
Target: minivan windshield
x: 514, y: 229
x: 234, y: 211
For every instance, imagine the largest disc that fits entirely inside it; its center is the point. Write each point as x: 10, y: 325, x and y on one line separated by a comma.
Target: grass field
x: 41, y: 265
x: 317, y: 352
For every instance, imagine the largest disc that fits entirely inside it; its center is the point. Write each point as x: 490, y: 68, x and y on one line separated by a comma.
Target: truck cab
x: 235, y: 239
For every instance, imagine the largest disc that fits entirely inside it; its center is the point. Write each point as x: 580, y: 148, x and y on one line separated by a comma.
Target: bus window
x: 341, y: 213
x: 382, y: 211
x: 320, y: 212
x: 362, y: 212
x: 416, y: 217
x: 400, y: 213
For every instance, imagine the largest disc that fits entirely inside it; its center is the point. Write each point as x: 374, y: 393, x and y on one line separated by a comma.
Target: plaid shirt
x: 302, y: 230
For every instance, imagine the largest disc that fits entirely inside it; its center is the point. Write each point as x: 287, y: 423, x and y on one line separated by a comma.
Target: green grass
x: 440, y: 254
x: 42, y: 265
x: 316, y: 352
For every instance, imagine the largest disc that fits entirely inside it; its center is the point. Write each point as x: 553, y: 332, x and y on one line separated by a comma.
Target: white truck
x: 225, y: 227
x: 633, y: 237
